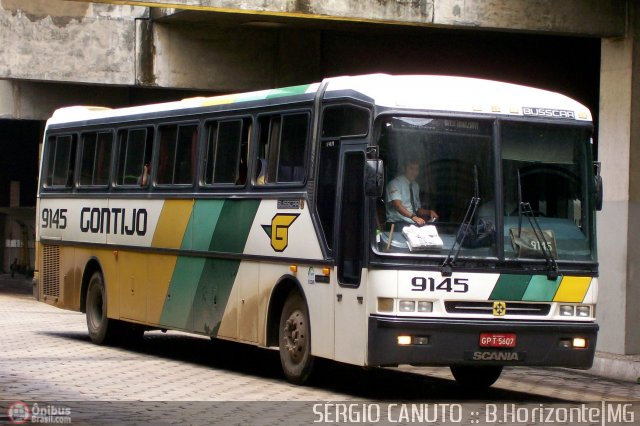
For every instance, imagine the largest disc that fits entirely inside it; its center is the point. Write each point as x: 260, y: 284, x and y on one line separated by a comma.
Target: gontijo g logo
x: 279, y: 230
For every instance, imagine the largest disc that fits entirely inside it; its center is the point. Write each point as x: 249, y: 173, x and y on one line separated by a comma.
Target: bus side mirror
x: 374, y: 178
x: 599, y: 192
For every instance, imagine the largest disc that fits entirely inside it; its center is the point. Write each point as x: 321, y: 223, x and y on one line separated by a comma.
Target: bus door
x: 350, y: 289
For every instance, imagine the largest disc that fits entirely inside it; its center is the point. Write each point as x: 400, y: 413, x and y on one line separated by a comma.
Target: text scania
x: 113, y: 221
x: 496, y: 356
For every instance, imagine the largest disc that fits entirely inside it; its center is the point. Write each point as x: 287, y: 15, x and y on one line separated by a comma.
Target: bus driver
x: 403, y: 199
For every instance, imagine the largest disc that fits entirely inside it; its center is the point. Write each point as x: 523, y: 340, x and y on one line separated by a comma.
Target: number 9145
x: 450, y: 285
x: 54, y: 218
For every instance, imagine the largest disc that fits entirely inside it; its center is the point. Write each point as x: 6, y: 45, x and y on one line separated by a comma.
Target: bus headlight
x: 583, y: 311
x: 424, y: 306
x: 566, y: 310
x: 407, y: 306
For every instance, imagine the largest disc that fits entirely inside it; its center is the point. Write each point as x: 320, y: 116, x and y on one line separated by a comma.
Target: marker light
x: 326, y: 271
x: 385, y: 304
x: 404, y: 340
x: 293, y: 268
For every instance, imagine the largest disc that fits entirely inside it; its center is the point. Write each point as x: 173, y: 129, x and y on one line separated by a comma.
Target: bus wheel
x: 101, y: 329
x: 474, y: 377
x: 295, y: 340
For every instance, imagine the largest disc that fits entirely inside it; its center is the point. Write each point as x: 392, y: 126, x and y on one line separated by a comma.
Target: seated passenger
x: 143, y: 180
x: 262, y: 172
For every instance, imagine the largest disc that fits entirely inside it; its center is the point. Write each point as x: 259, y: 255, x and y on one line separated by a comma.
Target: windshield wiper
x: 524, y: 208
x: 446, y: 269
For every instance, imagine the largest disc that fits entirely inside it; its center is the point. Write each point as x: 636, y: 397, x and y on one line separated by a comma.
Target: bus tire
x: 476, y: 377
x: 294, y: 337
x: 102, y: 330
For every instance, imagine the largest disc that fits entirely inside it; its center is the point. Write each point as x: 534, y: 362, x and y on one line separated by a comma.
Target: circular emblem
x: 19, y: 413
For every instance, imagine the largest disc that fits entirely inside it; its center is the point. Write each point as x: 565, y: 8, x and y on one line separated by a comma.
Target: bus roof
x: 424, y: 92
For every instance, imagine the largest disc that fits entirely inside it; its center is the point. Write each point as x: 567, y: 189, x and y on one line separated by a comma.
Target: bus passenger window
x: 177, y: 154
x: 224, y: 160
x: 61, y: 161
x: 95, y: 158
x: 282, y: 148
x: 135, y: 147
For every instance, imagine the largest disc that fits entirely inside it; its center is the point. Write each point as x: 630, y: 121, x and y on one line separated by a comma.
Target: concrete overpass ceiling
x: 310, y: 49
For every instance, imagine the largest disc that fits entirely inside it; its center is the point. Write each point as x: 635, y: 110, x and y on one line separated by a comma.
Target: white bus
x: 272, y: 218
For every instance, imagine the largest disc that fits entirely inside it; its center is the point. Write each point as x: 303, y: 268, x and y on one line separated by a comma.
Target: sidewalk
x: 19, y: 284
x: 612, y: 366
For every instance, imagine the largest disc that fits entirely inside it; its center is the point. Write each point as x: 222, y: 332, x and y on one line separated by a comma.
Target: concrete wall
x: 587, y: 17
x: 619, y: 246
x: 69, y: 41
x: 232, y: 58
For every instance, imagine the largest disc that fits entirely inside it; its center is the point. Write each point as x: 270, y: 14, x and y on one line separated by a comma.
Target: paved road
x: 46, y: 357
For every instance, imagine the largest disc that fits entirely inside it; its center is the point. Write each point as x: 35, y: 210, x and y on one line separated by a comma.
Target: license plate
x: 497, y: 340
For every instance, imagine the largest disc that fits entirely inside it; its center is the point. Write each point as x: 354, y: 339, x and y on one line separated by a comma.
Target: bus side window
x: 95, y: 159
x: 176, y: 157
x: 61, y: 161
x: 351, y: 223
x: 135, y: 148
x: 282, y: 148
x: 226, y: 152
x: 345, y: 121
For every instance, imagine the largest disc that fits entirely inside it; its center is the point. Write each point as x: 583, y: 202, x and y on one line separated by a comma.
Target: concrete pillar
x: 619, y: 222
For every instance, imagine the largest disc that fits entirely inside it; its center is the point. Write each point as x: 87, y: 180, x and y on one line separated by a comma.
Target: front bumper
x: 457, y: 342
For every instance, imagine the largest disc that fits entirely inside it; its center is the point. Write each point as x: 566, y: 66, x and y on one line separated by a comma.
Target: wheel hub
x: 295, y: 336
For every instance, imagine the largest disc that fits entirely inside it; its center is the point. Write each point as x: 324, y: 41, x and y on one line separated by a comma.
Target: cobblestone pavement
x: 46, y: 357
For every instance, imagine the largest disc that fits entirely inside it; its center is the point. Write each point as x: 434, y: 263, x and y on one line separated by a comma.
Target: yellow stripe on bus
x: 218, y: 100
x: 172, y: 223
x: 572, y: 289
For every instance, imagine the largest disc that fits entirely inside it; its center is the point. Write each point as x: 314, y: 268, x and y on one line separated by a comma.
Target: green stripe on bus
x: 541, y: 289
x: 212, y: 295
x: 288, y: 91
x: 234, y: 225
x: 203, y: 222
x: 510, y: 287
x: 182, y: 289
x: 200, y: 287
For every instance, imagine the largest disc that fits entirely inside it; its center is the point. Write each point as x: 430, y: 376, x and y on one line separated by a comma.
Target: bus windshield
x: 440, y: 189
x: 545, y: 173
x: 435, y: 167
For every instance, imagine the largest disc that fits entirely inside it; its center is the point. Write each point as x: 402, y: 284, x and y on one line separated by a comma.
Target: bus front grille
x: 486, y: 308
x: 50, y: 271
